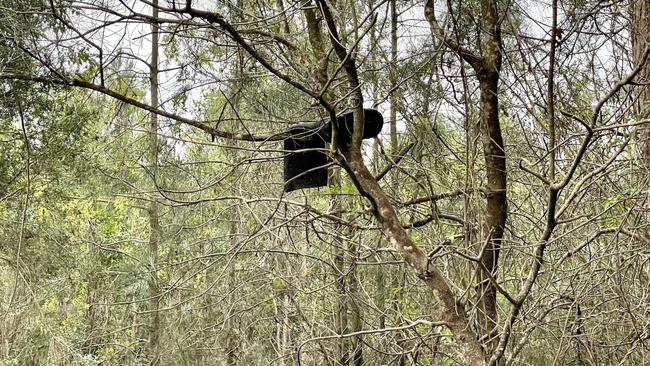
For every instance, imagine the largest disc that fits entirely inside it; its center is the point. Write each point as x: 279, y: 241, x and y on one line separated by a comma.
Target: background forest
x: 500, y: 218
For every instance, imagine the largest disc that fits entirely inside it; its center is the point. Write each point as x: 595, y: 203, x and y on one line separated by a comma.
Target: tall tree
x: 640, y: 43
x: 154, y: 325
x: 486, y: 63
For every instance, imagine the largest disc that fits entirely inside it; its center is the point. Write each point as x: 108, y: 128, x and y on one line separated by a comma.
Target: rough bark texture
x: 487, y: 66
x: 640, y: 42
x: 316, y: 42
x: 495, y: 163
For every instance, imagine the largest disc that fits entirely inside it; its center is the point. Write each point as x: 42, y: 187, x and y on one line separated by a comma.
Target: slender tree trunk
x: 16, y: 288
x: 486, y: 65
x: 278, y: 314
x: 154, y: 225
x: 640, y: 42
x: 495, y: 163
x: 397, y: 278
x: 356, y: 315
x: 393, y: 82
x: 286, y: 324
x: 233, y: 339
x: 338, y: 245
x: 94, y: 332
x: 317, y: 46
x: 471, y: 203
x: 338, y: 259
x: 229, y: 326
x: 380, y: 280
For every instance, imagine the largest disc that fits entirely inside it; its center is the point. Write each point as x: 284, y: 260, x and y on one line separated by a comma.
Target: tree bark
x: 495, y: 162
x: 640, y: 42
x: 487, y: 66
x: 380, y: 279
x: 356, y: 314
x: 338, y: 260
x: 393, y: 80
x: 340, y: 314
x: 154, y: 225
x: 397, y: 280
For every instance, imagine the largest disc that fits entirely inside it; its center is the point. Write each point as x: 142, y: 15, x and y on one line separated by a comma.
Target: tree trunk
x: 393, y: 83
x: 231, y: 320
x: 495, y: 163
x: 381, y: 290
x: 356, y: 315
x: 338, y: 259
x: 640, y: 42
x: 338, y: 246
x: 397, y: 280
x: 486, y: 65
x: 154, y: 225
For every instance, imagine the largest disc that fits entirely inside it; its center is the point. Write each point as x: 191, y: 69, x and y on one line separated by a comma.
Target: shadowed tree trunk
x: 486, y: 65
